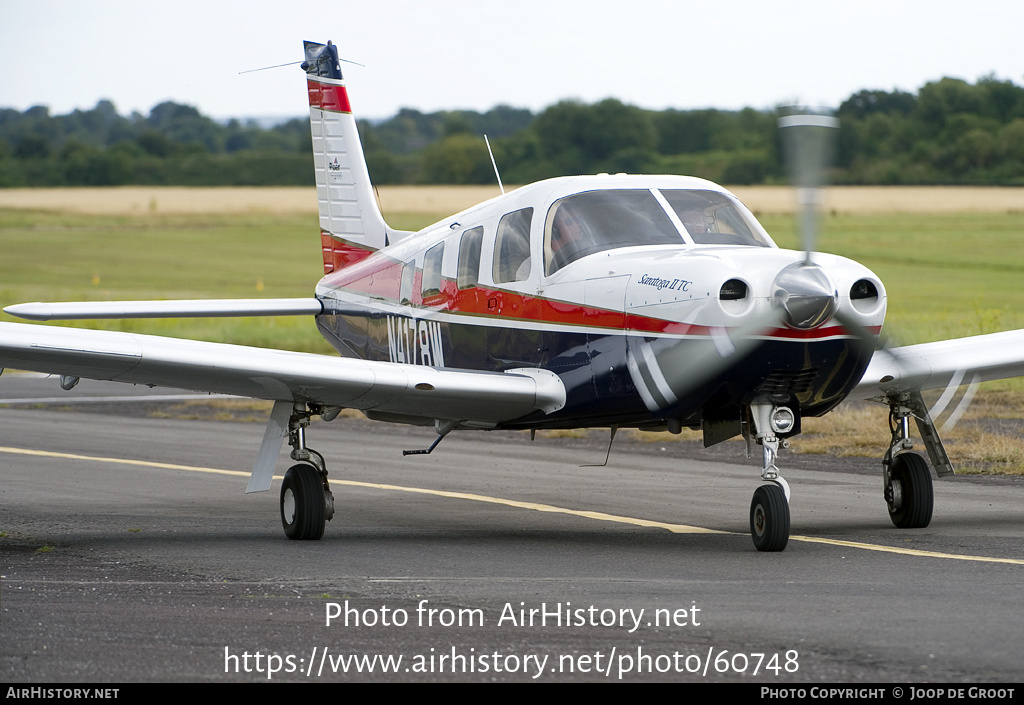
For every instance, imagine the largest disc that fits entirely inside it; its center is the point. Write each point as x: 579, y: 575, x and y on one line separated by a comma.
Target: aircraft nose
x: 806, y: 294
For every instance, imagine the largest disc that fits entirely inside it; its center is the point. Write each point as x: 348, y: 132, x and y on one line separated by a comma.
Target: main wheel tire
x: 303, y: 508
x: 910, y: 496
x: 769, y: 518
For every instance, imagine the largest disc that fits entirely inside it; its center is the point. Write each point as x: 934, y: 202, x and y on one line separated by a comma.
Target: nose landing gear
x: 769, y: 509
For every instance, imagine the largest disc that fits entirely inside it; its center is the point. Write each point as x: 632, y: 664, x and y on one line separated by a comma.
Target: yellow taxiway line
x: 599, y: 516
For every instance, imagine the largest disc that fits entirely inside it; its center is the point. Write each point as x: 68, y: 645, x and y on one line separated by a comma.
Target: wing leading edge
x: 413, y: 392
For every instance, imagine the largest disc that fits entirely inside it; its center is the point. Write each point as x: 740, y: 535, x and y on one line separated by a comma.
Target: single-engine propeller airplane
x: 653, y: 302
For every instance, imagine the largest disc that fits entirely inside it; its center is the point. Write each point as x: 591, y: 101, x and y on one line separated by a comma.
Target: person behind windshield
x: 693, y: 221
x: 567, y: 236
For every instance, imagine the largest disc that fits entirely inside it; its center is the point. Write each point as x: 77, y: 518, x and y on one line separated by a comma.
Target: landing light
x: 782, y: 419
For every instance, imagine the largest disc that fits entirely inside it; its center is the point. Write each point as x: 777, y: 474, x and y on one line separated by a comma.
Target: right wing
x: 194, y: 308
x: 414, y: 393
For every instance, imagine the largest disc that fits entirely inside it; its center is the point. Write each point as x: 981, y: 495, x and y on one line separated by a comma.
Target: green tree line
x: 173, y: 145
x: 949, y: 132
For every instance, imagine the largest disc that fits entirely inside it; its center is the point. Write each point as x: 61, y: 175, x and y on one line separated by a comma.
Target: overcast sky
x: 447, y: 54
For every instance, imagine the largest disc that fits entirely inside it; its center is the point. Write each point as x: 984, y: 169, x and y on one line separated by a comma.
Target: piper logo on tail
x: 416, y: 342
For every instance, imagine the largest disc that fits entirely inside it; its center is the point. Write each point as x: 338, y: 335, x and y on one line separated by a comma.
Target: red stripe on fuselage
x: 326, y: 96
x: 380, y: 278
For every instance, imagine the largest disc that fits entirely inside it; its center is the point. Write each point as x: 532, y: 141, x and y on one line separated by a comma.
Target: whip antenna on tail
x: 293, y: 63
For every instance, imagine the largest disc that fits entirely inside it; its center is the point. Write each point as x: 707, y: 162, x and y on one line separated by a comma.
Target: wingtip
x: 34, y: 311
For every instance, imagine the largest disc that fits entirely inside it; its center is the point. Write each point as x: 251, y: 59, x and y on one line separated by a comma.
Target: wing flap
x: 914, y: 368
x: 280, y: 375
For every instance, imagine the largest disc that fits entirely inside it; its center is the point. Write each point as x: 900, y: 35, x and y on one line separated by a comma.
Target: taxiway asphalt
x: 128, y: 555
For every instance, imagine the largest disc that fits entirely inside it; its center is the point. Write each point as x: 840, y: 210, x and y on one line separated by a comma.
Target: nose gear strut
x: 769, y: 509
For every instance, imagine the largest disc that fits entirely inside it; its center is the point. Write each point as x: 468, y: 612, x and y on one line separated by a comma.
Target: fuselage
x: 658, y: 300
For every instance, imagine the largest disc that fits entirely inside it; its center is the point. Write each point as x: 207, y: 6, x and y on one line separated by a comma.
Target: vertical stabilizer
x: 351, y: 224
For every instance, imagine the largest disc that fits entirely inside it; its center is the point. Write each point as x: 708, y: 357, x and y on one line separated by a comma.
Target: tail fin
x: 351, y: 224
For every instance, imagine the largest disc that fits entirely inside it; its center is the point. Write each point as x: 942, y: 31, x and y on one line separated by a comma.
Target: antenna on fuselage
x: 494, y: 164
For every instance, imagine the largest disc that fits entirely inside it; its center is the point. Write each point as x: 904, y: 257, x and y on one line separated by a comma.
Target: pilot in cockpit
x: 567, y: 235
x: 693, y: 221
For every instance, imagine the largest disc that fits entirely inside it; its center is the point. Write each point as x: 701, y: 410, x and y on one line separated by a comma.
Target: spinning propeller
x: 805, y: 291
x: 809, y: 149
x: 803, y: 296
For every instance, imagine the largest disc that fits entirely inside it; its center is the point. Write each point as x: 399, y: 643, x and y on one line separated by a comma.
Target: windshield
x: 711, y: 218
x: 595, y: 221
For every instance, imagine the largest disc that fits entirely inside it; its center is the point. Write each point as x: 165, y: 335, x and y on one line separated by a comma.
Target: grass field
x: 445, y: 200
x: 949, y: 273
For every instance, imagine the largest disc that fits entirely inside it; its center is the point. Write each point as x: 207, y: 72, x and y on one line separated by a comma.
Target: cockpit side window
x: 430, y: 285
x: 408, y: 277
x: 512, y: 247
x: 586, y: 223
x: 711, y: 218
x: 469, y: 257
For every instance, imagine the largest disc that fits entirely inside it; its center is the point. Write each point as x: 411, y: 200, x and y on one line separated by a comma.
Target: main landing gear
x: 906, y: 482
x: 306, y: 500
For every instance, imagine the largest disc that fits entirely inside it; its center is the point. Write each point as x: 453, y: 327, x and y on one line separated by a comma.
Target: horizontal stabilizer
x: 198, y: 308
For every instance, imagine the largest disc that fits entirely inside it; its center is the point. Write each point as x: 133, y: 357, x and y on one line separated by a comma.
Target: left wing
x: 408, y: 392
x: 897, y: 376
x: 914, y: 368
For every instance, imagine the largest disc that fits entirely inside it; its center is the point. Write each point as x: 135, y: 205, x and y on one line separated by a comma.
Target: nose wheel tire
x: 303, y: 503
x: 769, y: 518
x: 909, y: 495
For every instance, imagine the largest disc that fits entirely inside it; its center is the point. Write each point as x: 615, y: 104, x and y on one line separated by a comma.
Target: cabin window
x: 431, y: 283
x: 469, y: 257
x: 595, y: 221
x: 711, y: 218
x: 512, y: 247
x: 405, y: 288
